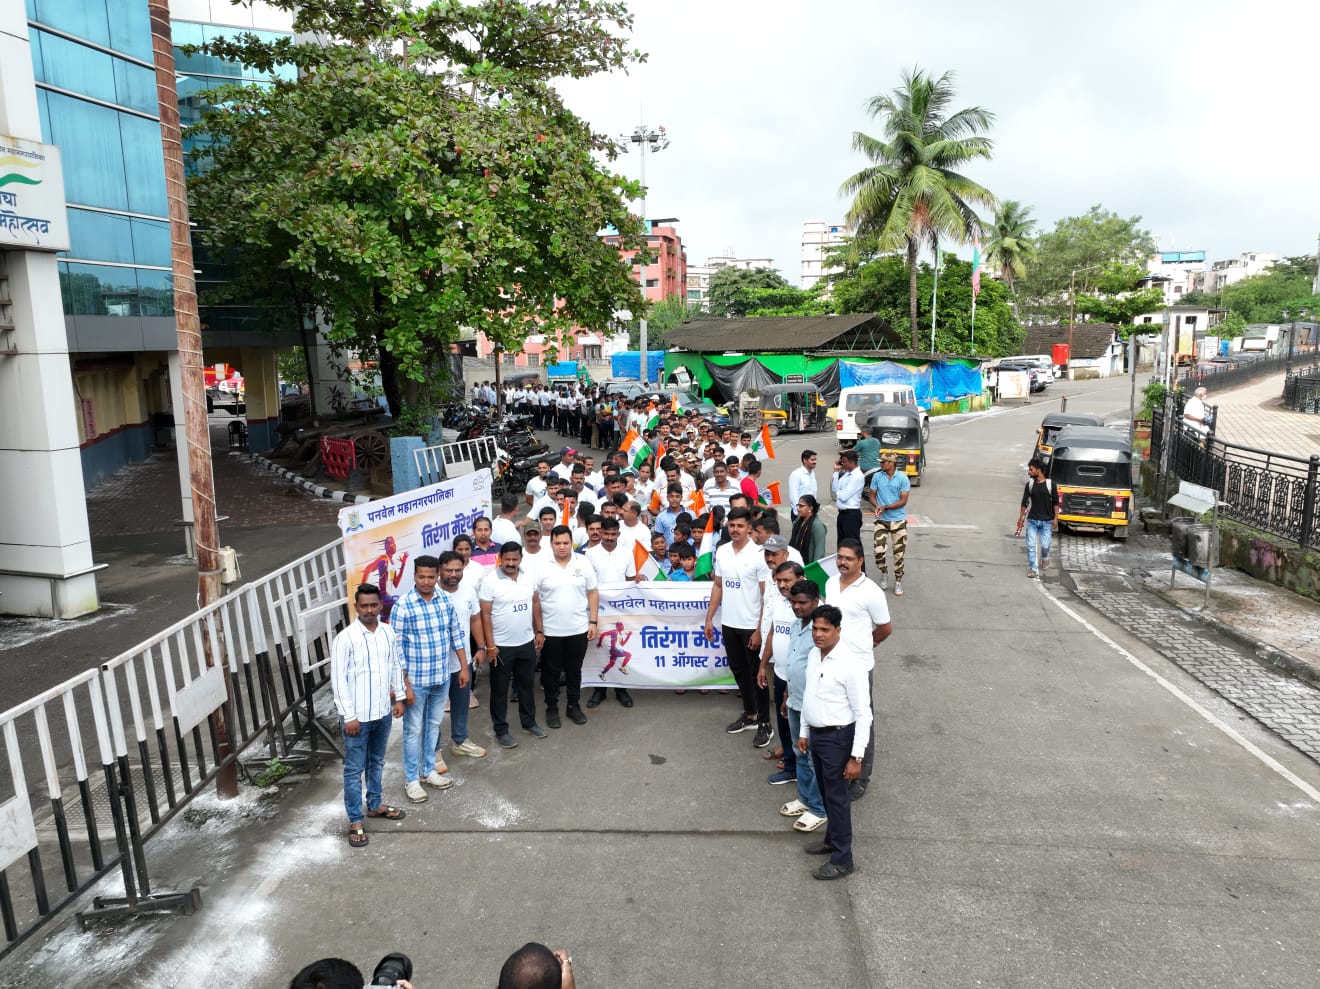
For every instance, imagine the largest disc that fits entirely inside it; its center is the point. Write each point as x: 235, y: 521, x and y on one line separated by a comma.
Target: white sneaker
x: 883, y: 581
x: 438, y: 781
x: 898, y: 588
x: 468, y: 748
x: 415, y: 792
x: 809, y: 822
x: 440, y: 766
x: 794, y: 808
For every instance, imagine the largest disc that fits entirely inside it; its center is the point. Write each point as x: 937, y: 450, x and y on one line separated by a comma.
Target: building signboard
x: 32, y: 213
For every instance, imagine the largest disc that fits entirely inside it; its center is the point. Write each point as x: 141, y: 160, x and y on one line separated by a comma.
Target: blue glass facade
x: 96, y: 92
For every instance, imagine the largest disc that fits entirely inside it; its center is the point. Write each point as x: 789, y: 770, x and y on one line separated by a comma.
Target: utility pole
x: 1072, y: 302
x: 206, y: 531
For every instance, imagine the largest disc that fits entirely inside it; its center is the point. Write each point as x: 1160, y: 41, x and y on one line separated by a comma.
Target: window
x: 89, y: 140
x: 653, y: 283
x: 100, y: 237
x: 146, y: 165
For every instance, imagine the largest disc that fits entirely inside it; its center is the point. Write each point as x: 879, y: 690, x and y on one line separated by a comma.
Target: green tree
x: 422, y: 174
x: 1087, y: 244
x: 914, y: 193
x: 1011, y: 246
x: 661, y: 317
x: 1264, y: 298
x: 1119, y: 297
x: 732, y: 291
x: 1231, y: 326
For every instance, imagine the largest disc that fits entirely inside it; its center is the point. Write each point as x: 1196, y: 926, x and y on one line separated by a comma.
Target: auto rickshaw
x: 1050, y: 426
x: 898, y: 428
x: 1091, y: 468
x: 793, y: 408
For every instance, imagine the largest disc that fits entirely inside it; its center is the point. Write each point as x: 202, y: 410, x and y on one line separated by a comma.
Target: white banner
x: 32, y: 213
x: 653, y: 635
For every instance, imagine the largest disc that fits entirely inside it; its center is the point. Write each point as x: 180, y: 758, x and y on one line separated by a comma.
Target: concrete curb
x: 1267, y: 654
x: 320, y: 491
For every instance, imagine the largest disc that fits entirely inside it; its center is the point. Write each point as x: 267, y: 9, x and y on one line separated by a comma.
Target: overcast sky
x: 1198, y: 117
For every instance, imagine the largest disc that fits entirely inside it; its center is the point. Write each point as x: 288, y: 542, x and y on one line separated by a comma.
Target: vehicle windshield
x: 1086, y: 474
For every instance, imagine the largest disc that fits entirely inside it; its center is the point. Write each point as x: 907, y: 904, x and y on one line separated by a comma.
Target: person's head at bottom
x: 328, y: 973
x: 533, y: 966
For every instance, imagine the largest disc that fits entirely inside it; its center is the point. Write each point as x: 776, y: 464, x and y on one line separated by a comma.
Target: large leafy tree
x: 734, y: 291
x: 913, y: 192
x: 1118, y: 297
x: 1011, y: 246
x: 1264, y: 298
x: 422, y: 174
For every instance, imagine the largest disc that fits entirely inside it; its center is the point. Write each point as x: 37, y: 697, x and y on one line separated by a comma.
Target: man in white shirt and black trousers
x: 836, y: 721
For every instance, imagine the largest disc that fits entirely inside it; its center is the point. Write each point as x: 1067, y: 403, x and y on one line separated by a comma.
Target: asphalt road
x: 1054, y: 805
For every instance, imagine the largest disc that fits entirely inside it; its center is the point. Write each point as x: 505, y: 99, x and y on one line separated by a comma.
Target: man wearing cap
x: 565, y: 466
x: 888, y: 494
x: 778, y: 551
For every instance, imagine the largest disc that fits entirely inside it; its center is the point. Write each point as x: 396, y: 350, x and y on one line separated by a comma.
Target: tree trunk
x: 389, y: 375
x: 912, y: 292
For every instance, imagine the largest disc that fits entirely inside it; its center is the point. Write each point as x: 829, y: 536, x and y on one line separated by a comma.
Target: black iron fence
x: 1272, y: 492
x: 1220, y: 377
x: 1301, y: 389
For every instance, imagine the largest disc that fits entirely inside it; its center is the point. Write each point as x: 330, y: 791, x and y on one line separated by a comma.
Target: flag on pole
x: 697, y: 502
x: 821, y: 571
x: 564, y: 517
x: 976, y: 264
x: 646, y: 565
x: 761, y: 446
x: 635, y: 447
x: 660, y: 453
x: 706, y: 551
x: 655, y: 504
x: 673, y: 405
x: 652, y: 416
x: 770, y: 496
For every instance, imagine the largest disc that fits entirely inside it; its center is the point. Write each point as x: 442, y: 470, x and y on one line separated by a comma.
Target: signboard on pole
x: 32, y: 213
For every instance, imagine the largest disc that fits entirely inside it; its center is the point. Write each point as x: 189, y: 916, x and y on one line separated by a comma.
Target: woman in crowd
x: 808, y: 536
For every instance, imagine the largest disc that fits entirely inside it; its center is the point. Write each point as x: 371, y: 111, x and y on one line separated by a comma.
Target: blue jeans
x: 1038, y: 529
x: 459, y: 699
x: 807, y: 787
x: 421, y: 729
x: 365, y: 752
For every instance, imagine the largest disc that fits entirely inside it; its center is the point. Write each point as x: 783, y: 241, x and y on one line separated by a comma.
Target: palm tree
x: 912, y: 192
x: 1011, y: 244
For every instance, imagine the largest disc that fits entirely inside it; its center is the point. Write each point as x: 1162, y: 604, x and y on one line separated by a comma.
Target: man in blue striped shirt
x: 430, y: 637
x: 367, y: 680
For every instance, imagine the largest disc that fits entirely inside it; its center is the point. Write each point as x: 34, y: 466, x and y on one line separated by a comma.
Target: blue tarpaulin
x: 629, y: 365
x: 939, y: 381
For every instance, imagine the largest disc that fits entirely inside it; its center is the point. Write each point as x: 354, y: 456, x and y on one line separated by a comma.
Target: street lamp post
x: 1072, y: 302
x: 646, y: 140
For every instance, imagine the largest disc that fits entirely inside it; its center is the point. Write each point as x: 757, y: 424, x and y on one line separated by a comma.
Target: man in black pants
x: 836, y: 721
x: 738, y: 584
x: 506, y: 619
x: 564, y: 616
x: 848, y: 485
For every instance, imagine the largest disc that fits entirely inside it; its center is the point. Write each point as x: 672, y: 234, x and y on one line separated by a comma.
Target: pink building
x: 666, y: 276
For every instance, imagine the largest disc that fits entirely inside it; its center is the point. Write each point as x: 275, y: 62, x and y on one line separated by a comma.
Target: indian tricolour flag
x: 821, y: 571
x: 635, y: 447
x: 706, y: 550
x: 646, y: 565
x: 771, y: 496
x: 652, y: 417
x: 762, y: 447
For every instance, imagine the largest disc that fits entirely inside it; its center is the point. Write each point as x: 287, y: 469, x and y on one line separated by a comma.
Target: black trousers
x: 786, y: 741
x: 830, y: 752
x: 850, y: 524
x: 562, y: 654
x: 868, y: 760
x: 517, y: 664
x: 743, y: 664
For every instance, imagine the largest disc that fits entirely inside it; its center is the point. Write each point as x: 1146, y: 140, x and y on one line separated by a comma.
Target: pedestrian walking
x: 430, y: 634
x: 889, y: 494
x: 565, y: 610
x: 847, y: 485
x: 1196, y: 418
x: 802, y: 481
x: 506, y: 618
x: 366, y: 678
x: 836, y: 720
x: 1040, y: 511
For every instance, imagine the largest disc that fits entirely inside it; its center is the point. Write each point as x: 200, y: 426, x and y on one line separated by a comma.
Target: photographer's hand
x: 566, y: 980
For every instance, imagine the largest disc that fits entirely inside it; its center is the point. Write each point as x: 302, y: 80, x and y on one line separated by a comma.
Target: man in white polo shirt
x: 564, y: 617
x: 866, y: 624
x: 506, y: 618
x: 738, y: 593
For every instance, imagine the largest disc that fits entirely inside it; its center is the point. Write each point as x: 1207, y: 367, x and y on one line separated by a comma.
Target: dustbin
x: 1202, y: 546
x: 1179, y: 530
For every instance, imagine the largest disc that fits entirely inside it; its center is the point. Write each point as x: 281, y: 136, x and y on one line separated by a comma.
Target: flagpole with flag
x: 646, y: 565
x: 706, y: 550
x: 762, y: 445
x: 976, y: 280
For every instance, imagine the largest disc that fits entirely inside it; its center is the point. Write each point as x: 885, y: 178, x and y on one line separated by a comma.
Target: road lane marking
x: 1204, y: 712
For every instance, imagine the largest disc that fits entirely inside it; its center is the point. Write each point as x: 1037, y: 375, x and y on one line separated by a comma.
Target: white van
x: 858, y: 398
x: 1042, y: 361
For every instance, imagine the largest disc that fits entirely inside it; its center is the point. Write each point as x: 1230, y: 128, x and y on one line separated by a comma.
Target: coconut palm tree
x: 1011, y: 246
x: 912, y: 192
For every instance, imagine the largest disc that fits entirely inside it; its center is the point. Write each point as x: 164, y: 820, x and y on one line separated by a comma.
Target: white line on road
x: 1223, y: 726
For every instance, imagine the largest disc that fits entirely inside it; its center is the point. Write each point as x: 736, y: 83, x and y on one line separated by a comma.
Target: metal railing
x: 1301, y: 389
x: 1224, y: 376
x: 435, y: 463
x: 100, y: 763
x: 1272, y: 492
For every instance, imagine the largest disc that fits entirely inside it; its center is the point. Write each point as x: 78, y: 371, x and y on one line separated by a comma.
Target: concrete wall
x: 1270, y: 559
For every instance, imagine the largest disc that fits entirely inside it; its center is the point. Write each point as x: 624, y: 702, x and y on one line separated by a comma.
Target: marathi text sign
x: 32, y: 212
x: 382, y: 538
x: 653, y: 635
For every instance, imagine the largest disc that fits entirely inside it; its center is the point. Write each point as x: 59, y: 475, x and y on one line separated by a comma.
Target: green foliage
x: 914, y: 193
x: 292, y: 366
x: 273, y: 773
x: 422, y: 175
x: 1011, y: 246
x: 1231, y: 326
x: 732, y: 291
x: 661, y: 317
x: 1152, y: 398
x: 1118, y: 297
x: 1265, y: 297
x: 1088, y: 245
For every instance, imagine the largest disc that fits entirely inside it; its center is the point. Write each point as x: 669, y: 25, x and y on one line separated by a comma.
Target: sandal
x: 387, y: 812
x: 773, y: 754
x: 357, y: 835
x: 680, y: 691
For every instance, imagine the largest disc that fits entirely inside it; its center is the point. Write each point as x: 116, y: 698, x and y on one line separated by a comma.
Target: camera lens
x: 390, y: 969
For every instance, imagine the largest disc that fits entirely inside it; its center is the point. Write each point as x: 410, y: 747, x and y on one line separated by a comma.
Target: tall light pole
x: 652, y: 141
x: 1072, y: 301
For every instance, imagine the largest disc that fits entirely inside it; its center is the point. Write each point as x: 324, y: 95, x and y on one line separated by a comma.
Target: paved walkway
x: 1254, y: 416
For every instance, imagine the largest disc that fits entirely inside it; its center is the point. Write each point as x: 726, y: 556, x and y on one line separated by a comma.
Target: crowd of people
x: 520, y: 595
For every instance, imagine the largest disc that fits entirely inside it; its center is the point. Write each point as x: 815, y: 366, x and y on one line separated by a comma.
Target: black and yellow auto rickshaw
x: 1050, y: 426
x: 794, y: 408
x: 1091, y: 468
x: 898, y: 428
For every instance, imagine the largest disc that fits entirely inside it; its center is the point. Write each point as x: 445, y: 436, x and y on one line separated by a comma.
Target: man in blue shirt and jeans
x: 430, y: 632
x: 809, y: 807
x: 889, y: 493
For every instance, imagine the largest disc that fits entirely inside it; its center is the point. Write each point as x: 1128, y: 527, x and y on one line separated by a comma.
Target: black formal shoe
x: 623, y: 697
x: 552, y: 719
x: 596, y: 697
x: 857, y: 790
x: 819, y: 848
x: 576, y: 716
x: 831, y: 871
